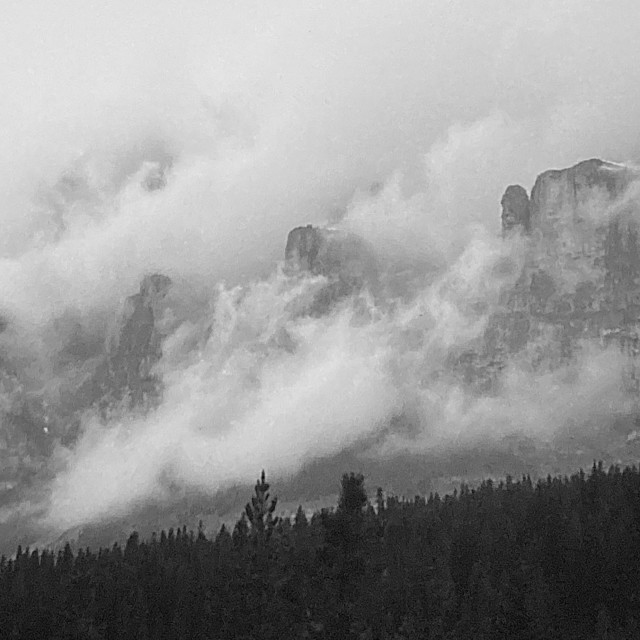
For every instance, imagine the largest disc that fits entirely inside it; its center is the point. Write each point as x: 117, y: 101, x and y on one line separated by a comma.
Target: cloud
x: 264, y: 116
x: 274, y: 386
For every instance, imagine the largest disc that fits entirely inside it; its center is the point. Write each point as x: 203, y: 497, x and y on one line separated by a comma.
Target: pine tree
x: 300, y: 521
x: 240, y: 532
x: 353, y: 497
x: 260, y: 511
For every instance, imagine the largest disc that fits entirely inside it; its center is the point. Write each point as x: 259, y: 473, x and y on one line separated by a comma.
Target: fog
x: 261, y: 117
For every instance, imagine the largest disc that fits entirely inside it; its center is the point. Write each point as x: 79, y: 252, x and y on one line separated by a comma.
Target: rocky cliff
x: 580, y: 280
x: 515, y: 209
x: 135, y: 346
x: 344, y: 259
x: 116, y: 373
x: 581, y: 277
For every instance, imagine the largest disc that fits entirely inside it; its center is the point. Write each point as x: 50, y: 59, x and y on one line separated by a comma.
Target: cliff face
x: 136, y: 346
x: 89, y: 376
x: 343, y: 258
x: 582, y: 272
x: 567, y: 197
x: 515, y: 209
x: 122, y: 371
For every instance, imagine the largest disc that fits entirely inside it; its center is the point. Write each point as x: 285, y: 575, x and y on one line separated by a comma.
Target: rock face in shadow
x: 515, y: 209
x: 86, y: 375
x: 343, y: 258
x: 136, y: 347
x: 123, y: 372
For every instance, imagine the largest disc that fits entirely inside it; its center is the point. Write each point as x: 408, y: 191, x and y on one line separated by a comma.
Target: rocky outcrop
x: 303, y: 248
x: 581, y: 193
x: 515, y: 209
x: 136, y: 346
x: 581, y: 277
x: 343, y: 258
x: 124, y: 371
x: 331, y: 253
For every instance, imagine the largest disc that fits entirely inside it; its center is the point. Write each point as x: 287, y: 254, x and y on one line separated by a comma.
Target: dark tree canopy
x: 557, y: 559
x: 353, y: 496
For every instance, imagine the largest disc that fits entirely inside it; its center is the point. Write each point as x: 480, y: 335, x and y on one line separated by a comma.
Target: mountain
x: 569, y: 247
x: 577, y: 234
x: 133, y: 349
x: 346, y: 261
x: 88, y: 374
x: 580, y: 278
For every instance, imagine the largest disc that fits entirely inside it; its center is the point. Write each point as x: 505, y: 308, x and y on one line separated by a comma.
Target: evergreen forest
x: 557, y: 558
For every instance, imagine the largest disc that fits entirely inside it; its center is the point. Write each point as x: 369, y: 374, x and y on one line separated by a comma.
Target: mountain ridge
x: 572, y: 241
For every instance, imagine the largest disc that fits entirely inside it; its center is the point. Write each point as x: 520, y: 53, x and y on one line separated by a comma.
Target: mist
x: 401, y: 123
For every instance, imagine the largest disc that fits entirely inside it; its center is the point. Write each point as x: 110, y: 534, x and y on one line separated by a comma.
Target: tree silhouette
x: 517, y: 560
x: 260, y: 510
x: 353, y: 497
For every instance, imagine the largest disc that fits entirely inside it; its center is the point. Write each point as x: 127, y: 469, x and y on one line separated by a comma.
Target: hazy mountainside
x: 516, y: 344
x: 581, y: 274
x: 582, y: 269
x: 82, y: 366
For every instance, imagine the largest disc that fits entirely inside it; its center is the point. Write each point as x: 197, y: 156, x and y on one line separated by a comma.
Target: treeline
x: 559, y: 558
